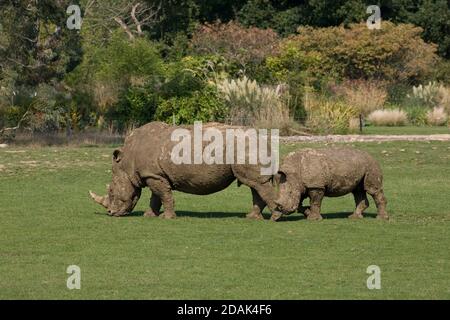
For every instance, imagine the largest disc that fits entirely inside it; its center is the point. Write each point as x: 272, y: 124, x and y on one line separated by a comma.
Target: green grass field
x: 406, y: 130
x: 211, y: 251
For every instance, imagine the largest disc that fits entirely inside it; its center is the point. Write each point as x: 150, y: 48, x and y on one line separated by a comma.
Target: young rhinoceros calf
x: 330, y: 172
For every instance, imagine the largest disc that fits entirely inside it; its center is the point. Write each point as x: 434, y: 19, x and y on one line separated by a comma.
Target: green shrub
x: 204, y: 105
x: 293, y: 64
x: 417, y: 114
x: 398, y: 92
x: 46, y: 118
x: 300, y: 71
x: 125, y: 61
x: 327, y: 116
x: 108, y: 73
x: 41, y: 109
x: 142, y: 105
x: 192, y: 73
x: 135, y: 108
x: 189, y: 92
x: 10, y: 115
x: 441, y: 72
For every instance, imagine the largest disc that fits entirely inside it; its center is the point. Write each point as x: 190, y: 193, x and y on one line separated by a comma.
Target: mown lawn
x: 406, y: 130
x: 211, y: 251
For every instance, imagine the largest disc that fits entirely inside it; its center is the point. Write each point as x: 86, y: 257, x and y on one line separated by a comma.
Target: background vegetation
x: 137, y: 61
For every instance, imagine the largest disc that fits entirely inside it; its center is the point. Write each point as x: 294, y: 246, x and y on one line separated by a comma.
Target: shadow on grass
x: 130, y: 215
x: 344, y: 215
x: 226, y: 215
x: 214, y: 215
x: 191, y: 214
x: 325, y: 216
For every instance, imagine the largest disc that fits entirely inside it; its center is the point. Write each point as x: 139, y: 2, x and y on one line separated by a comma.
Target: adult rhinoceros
x: 145, y: 161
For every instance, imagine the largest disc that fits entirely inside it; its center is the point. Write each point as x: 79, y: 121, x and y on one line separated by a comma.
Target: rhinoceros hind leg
x: 373, y: 184
x: 150, y: 213
x: 258, y: 206
x: 380, y: 201
x: 361, y: 203
x: 276, y: 216
x: 168, y: 215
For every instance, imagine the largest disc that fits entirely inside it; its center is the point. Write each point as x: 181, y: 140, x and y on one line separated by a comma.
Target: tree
x: 120, y: 75
x: 393, y: 53
x: 133, y: 17
x: 286, y: 16
x: 38, y: 49
x: 243, y: 47
x: 434, y: 17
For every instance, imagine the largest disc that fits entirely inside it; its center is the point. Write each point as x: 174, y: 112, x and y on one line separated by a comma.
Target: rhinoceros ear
x: 280, y: 177
x: 117, y: 155
x: 276, y: 178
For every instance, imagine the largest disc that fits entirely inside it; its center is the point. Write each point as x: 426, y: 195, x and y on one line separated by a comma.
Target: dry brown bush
x: 437, y: 116
x: 365, y: 96
x: 235, y: 42
x: 255, y: 105
x: 395, y: 117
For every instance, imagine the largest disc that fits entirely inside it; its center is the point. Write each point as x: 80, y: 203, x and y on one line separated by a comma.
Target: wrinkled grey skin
x: 144, y: 161
x: 330, y: 172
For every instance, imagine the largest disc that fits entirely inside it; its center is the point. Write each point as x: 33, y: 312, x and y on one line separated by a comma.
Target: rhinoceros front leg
x: 155, y: 206
x: 267, y: 194
x: 305, y: 210
x: 161, y: 189
x: 315, y: 196
x: 258, y: 206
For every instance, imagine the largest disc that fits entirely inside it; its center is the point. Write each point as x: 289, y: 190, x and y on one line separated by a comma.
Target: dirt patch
x: 29, y: 162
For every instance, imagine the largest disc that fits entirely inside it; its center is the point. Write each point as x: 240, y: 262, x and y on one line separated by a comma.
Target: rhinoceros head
x: 290, y: 190
x: 122, y: 196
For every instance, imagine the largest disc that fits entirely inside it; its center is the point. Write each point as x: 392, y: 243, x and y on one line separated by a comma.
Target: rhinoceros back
x: 346, y: 168
x: 339, y: 170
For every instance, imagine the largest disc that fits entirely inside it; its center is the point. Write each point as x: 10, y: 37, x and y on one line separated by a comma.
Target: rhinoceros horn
x: 100, y: 200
